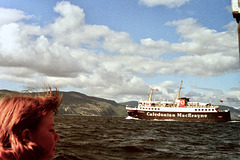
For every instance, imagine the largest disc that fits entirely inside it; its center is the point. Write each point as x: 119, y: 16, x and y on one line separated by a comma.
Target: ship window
x: 199, y: 109
x: 195, y: 109
x: 205, y: 109
x: 212, y: 109
x: 202, y: 109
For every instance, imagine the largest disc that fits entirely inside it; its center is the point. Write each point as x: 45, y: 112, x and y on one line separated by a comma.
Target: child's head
x: 27, y: 126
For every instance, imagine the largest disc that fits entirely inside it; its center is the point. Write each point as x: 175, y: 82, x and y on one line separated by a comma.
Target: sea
x: 117, y: 138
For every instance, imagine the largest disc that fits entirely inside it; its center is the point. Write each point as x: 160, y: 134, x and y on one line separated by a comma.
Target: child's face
x: 45, y: 136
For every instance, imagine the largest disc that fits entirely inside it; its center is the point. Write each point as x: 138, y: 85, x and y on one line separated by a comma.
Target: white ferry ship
x: 179, y: 110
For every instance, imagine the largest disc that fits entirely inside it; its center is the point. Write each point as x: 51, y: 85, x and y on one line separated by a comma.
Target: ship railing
x: 131, y: 107
x: 200, y: 106
x: 159, y: 105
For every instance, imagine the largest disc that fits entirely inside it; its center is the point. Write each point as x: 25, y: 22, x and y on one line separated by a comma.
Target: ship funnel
x: 178, y: 95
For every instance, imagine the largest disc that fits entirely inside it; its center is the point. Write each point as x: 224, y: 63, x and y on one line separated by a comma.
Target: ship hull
x: 181, y: 116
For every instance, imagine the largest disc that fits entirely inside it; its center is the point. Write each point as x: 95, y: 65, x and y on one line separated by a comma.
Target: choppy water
x: 115, y: 138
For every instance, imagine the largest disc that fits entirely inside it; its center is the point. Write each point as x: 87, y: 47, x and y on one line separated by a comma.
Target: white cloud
x: 18, y: 74
x: 201, y: 40
x: 168, y: 3
x: 107, y: 63
x: 8, y: 39
x: 8, y: 16
x: 169, y: 84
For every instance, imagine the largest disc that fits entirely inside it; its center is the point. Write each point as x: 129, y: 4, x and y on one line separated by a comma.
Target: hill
x: 81, y: 104
x: 4, y: 92
x: 130, y: 103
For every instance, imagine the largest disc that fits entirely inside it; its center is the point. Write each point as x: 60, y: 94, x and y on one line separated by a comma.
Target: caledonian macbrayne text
x: 182, y: 115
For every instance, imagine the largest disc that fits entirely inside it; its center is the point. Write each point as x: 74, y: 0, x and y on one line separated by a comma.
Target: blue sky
x: 119, y: 49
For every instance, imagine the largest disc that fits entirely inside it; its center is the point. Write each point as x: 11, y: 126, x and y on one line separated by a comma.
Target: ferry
x: 179, y: 110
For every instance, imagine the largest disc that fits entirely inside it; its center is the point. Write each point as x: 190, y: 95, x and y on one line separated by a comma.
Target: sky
x: 119, y: 49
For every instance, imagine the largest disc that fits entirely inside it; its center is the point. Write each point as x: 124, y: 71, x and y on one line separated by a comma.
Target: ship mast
x: 178, y: 95
x: 150, y: 95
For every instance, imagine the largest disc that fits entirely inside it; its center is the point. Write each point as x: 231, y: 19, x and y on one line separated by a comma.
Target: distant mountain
x: 4, y: 92
x: 130, y: 103
x: 81, y: 104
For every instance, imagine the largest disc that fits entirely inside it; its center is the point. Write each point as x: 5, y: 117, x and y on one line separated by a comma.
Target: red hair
x: 21, y: 112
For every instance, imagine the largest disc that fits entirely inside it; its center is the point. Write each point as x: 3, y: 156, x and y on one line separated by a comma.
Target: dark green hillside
x: 130, y: 103
x: 78, y: 103
x: 5, y: 92
x: 81, y: 104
